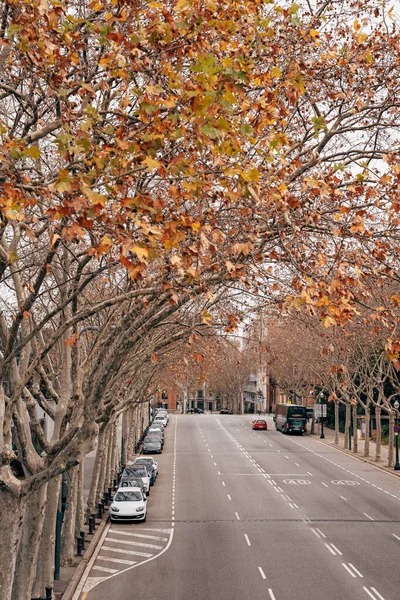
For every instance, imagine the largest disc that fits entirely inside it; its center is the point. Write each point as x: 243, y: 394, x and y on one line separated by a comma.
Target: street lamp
x: 396, y: 433
x: 321, y: 397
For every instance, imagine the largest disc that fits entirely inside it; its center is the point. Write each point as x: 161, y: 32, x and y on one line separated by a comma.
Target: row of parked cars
x: 130, y: 500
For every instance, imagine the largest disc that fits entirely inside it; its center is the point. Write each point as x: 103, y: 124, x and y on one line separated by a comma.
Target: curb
x: 360, y: 458
x: 77, y: 576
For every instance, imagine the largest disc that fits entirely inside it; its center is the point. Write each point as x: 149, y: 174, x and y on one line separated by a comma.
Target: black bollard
x: 110, y: 493
x: 106, y: 498
x: 115, y: 484
x: 49, y: 592
x: 100, y: 510
x: 92, y: 524
x: 79, y: 546
x: 82, y: 534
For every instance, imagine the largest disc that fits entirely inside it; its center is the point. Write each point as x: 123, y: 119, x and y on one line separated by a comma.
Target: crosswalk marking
x: 130, y: 543
x: 141, y: 535
x: 105, y: 569
x: 117, y: 560
x: 160, y: 530
x: 132, y: 552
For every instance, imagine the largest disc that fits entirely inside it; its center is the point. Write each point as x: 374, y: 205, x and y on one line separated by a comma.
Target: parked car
x: 160, y: 419
x: 163, y: 413
x: 157, y: 428
x: 152, y: 446
x: 138, y: 471
x: 148, y: 460
x: 224, y: 411
x: 199, y: 411
x: 135, y: 482
x: 154, y: 437
x: 260, y: 424
x: 190, y: 410
x: 129, y: 504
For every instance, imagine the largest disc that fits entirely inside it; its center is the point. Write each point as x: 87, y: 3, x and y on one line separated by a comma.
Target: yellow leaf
x: 141, y: 253
x: 206, y: 317
x: 314, y: 33
x: 151, y: 163
x: 276, y: 72
x: 64, y: 181
x: 196, y: 226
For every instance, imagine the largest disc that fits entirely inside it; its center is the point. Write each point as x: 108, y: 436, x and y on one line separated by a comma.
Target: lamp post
x: 321, y: 397
x: 396, y: 433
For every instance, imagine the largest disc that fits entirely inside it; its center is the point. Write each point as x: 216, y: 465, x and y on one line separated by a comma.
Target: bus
x: 290, y: 417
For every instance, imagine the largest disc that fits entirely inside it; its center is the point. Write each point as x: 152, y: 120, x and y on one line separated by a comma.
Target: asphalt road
x: 243, y: 515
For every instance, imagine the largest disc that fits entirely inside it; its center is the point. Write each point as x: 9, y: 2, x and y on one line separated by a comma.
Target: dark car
x: 199, y: 411
x: 224, y: 411
x: 152, y: 446
x: 190, y: 410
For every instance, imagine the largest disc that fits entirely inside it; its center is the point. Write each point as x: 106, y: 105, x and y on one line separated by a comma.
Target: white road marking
x: 354, y: 569
x: 377, y: 593
x: 338, y: 551
x: 295, y: 505
x: 321, y: 532
x: 223, y: 483
x: 271, y: 593
x: 330, y: 549
x: 247, y: 539
x: 324, y: 484
x: 343, y: 498
x: 229, y: 498
x: 347, y: 569
x: 131, y: 552
x: 215, y: 464
x: 143, y: 544
x: 370, y: 518
x: 141, y: 535
x: 219, y: 472
x: 263, y: 575
x: 396, y: 536
x: 105, y: 569
x: 315, y: 532
x: 237, y: 516
x: 116, y: 560
x: 297, y: 464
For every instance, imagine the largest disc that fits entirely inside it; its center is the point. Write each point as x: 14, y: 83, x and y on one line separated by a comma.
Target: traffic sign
x: 396, y: 429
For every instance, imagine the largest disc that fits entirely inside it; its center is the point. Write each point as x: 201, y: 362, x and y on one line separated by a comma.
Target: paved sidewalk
x: 330, y: 441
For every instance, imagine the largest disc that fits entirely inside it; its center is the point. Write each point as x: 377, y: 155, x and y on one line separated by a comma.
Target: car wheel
x: 144, y: 520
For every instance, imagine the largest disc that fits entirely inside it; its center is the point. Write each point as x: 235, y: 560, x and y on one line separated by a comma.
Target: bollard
x: 82, y: 534
x: 110, y: 493
x: 100, y: 510
x: 103, y: 501
x: 79, y: 546
x: 92, y: 524
x: 106, y: 498
x: 115, y: 484
x: 49, y: 592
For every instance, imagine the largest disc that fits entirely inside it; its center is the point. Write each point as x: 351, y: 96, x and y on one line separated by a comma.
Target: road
x: 243, y: 515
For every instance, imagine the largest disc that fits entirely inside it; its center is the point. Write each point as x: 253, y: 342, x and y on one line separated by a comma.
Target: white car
x: 129, y: 504
x: 133, y: 470
x: 160, y: 419
x: 163, y: 413
x: 148, y: 461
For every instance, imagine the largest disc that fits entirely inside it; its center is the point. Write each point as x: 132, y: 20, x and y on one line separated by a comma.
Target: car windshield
x: 145, y: 461
x: 262, y: 422
x: 131, y: 483
x: 139, y: 471
x: 128, y: 496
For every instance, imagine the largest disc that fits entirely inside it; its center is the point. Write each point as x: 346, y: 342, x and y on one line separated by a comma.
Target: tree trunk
x: 355, y: 431
x: 68, y: 530
x: 336, y: 422
x: 378, y: 433
x: 367, y: 430
x: 45, y: 559
x: 80, y: 510
x: 391, y: 440
x: 92, y: 498
x: 11, y: 519
x: 347, y: 427
x: 103, y: 465
x: 28, y: 548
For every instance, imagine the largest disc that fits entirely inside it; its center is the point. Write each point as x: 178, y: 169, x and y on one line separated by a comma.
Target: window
x: 128, y: 497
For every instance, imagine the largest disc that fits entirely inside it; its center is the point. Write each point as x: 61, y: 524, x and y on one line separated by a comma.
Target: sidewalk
x: 330, y: 441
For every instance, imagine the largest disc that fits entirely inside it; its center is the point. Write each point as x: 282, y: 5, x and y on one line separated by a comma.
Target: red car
x: 260, y: 424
